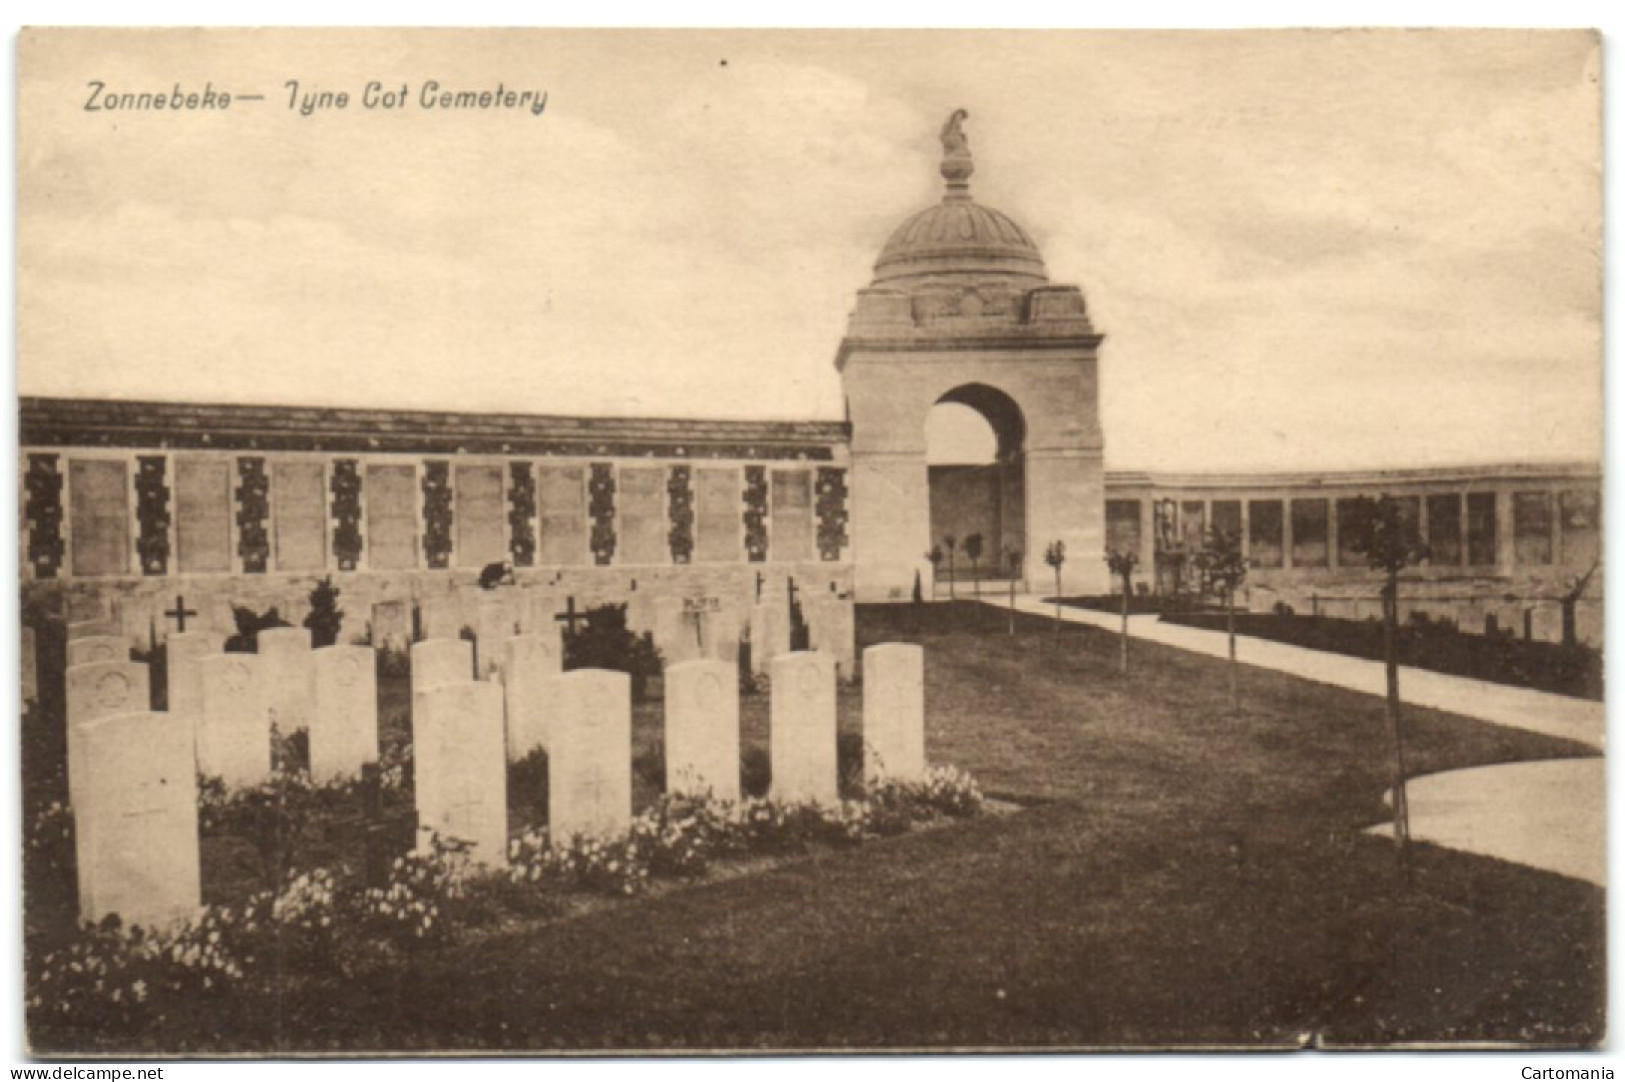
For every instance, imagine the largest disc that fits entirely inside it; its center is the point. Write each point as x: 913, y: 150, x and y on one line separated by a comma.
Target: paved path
x: 1549, y: 815
x: 1536, y: 711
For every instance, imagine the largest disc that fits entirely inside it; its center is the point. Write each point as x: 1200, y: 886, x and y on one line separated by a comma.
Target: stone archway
x: 981, y: 493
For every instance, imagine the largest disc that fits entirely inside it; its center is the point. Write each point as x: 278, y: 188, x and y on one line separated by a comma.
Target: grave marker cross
x: 569, y: 616
x: 180, y: 612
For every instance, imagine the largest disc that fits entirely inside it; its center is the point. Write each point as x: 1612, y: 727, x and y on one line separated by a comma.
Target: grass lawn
x: 1174, y: 876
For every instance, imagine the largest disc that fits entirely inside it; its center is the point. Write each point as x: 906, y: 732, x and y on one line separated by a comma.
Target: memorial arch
x: 962, y: 311
x: 975, y: 435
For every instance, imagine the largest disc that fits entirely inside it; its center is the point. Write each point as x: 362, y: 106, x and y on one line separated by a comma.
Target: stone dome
x: 959, y: 239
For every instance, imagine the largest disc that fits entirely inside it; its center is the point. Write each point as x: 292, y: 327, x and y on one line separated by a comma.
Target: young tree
x: 1012, y: 560
x: 1122, y: 565
x: 1055, y: 556
x: 1224, y: 569
x: 949, y: 542
x: 973, y: 553
x: 1390, y: 542
x: 935, y: 556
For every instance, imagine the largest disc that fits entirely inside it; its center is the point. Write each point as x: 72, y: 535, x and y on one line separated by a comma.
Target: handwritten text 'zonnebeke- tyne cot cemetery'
x: 376, y: 95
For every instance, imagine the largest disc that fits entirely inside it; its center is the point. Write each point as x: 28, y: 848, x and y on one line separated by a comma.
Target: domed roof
x: 959, y: 238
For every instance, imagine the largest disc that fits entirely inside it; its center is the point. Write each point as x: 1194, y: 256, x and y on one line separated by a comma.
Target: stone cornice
x: 1477, y: 473
x: 73, y: 422
x: 965, y: 344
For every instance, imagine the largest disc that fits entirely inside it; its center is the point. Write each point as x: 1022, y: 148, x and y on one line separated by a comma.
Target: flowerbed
x: 322, y: 923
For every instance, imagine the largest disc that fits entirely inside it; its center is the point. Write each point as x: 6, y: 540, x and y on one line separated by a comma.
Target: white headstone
x: 184, y: 653
x: 460, y: 769
x: 392, y: 626
x: 834, y: 632
x: 136, y: 832
x: 440, y: 617
x: 136, y: 618
x: 643, y: 612
x: 894, y: 712
x: 495, y: 623
x: 30, y: 660
x: 590, y: 755
x: 803, y: 728
x: 234, y: 726
x: 95, y: 691
x: 441, y: 661
x: 529, y: 661
x: 702, y: 728
x: 85, y: 608
x: 540, y: 605
x: 769, y: 632
x: 86, y: 629
x: 677, y: 631
x: 722, y: 632
x: 289, y: 676
x: 344, y: 724
x: 96, y: 648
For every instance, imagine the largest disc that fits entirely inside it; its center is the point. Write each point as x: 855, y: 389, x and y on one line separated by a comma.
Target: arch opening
x: 976, y: 467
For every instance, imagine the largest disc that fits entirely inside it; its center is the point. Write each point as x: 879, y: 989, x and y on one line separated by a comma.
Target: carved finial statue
x: 956, y: 160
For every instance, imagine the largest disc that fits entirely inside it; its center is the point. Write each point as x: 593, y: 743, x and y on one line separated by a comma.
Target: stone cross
x: 180, y: 612
x: 569, y: 616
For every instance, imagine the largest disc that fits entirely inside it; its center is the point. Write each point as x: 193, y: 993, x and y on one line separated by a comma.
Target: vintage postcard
x: 548, y: 542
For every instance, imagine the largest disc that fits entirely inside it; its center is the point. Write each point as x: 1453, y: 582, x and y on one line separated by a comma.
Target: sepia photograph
x: 632, y: 542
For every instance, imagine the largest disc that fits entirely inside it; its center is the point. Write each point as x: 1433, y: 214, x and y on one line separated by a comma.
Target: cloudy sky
x: 1306, y: 250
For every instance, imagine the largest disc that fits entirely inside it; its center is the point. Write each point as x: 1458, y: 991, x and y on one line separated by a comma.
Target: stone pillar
x: 1065, y: 502
x: 1506, y: 543
x: 890, y: 523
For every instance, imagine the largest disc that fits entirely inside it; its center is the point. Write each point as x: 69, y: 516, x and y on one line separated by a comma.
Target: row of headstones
x: 132, y: 771
x: 680, y: 634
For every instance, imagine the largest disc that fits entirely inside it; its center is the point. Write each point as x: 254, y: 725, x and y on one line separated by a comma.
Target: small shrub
x: 527, y: 781
x: 849, y: 758
x: 249, y: 626
x: 325, y: 617
x: 755, y: 771
x: 409, y: 912
x: 606, y: 643
x: 650, y: 765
